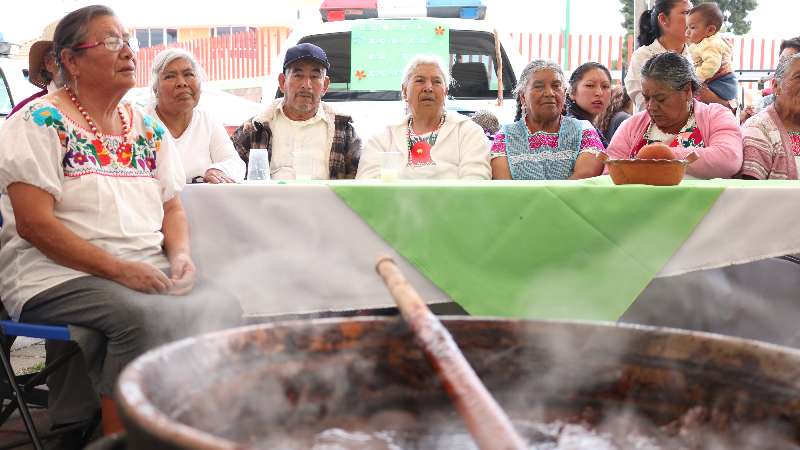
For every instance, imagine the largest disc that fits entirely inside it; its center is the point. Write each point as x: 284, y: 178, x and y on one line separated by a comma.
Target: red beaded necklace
x: 126, y: 128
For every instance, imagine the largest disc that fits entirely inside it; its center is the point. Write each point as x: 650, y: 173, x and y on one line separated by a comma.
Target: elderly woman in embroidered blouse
x: 206, y: 150
x: 772, y: 137
x: 542, y: 144
x: 95, y: 233
x: 673, y: 117
x: 435, y: 144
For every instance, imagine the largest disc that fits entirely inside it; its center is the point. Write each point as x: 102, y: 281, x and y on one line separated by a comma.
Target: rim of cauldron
x: 137, y: 407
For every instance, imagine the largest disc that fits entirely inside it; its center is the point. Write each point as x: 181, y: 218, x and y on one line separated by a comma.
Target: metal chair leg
x: 20, y: 400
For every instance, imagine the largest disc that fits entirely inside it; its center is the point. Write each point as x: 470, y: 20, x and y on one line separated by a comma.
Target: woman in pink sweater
x: 674, y: 118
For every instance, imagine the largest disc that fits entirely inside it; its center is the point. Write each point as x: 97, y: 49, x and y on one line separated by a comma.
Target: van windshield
x: 472, y: 63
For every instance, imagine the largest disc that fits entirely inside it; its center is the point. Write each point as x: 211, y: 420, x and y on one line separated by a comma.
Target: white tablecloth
x: 745, y: 224
x: 282, y: 249
x: 296, y: 248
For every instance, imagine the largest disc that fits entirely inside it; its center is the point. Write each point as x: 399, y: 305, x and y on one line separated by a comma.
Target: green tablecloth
x: 547, y: 250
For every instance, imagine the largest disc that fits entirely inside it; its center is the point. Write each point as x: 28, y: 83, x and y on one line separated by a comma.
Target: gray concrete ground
x: 27, y: 355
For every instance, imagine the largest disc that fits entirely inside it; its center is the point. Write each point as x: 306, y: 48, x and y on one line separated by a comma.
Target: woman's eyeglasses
x: 112, y: 43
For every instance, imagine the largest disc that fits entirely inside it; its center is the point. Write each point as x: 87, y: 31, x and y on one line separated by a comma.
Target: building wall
x: 189, y: 33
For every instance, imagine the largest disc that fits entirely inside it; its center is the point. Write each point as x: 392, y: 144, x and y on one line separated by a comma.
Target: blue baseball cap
x: 306, y: 51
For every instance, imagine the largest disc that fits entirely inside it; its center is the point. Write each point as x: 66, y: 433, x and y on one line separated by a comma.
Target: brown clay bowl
x: 654, y: 172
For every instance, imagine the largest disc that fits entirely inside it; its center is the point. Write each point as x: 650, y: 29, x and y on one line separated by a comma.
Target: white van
x: 470, y: 50
x: 14, y: 85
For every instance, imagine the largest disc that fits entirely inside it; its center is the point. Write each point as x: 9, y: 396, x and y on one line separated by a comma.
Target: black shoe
x: 74, y: 436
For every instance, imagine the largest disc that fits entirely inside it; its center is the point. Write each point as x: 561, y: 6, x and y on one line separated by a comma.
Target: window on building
x: 223, y: 31
x: 150, y: 37
x: 143, y: 36
x: 156, y: 38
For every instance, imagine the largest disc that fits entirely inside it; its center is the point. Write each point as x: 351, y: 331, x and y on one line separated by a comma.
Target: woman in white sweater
x: 206, y: 150
x: 661, y: 29
x: 434, y: 143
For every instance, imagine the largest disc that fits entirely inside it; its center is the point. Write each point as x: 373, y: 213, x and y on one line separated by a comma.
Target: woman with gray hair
x: 542, y: 144
x: 673, y: 117
x: 433, y: 143
x: 206, y: 150
x: 96, y: 234
x: 772, y: 137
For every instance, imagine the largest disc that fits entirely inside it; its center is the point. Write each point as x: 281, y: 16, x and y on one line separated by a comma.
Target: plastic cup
x: 391, y: 164
x: 258, y: 165
x: 303, y: 165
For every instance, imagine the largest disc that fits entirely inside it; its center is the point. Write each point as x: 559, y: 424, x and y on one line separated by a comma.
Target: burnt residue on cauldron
x: 247, y: 385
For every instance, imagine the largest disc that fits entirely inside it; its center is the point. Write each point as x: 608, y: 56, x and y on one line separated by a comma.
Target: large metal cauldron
x: 232, y: 389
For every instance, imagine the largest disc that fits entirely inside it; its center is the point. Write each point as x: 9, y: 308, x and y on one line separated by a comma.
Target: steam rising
x: 366, y: 385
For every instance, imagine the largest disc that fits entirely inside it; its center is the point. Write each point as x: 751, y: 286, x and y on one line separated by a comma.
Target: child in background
x: 712, y: 55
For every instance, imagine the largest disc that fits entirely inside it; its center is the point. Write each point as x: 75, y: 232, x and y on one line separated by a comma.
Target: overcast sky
x: 772, y: 18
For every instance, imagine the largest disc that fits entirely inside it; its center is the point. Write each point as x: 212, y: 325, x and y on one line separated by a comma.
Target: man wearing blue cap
x: 299, y: 123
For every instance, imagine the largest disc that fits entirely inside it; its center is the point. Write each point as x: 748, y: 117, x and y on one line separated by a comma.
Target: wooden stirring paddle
x: 486, y: 421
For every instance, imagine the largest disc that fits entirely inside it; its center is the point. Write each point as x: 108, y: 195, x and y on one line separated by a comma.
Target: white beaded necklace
x: 126, y: 128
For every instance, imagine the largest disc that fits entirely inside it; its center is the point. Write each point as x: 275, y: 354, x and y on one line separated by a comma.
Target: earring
x: 76, y: 86
x: 524, y: 112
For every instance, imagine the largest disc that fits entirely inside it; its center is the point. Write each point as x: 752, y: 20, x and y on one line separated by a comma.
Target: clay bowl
x: 654, y: 172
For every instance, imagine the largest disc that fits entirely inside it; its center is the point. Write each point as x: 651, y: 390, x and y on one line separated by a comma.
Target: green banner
x: 554, y: 250
x: 381, y: 49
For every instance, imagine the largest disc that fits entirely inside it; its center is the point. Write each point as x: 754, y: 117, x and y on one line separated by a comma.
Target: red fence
x: 236, y: 56
x: 605, y: 49
x: 253, y: 54
x: 749, y: 52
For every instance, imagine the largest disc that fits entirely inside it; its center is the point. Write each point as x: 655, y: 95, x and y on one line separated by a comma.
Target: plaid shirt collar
x: 324, y: 112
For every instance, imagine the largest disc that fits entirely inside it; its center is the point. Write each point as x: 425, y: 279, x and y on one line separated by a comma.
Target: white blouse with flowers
x: 109, y: 192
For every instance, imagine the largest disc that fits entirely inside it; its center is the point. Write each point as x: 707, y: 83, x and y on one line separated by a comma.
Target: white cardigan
x: 461, y: 152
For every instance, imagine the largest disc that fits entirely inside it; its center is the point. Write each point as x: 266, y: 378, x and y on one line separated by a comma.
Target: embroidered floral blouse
x: 545, y: 157
x: 543, y: 141
x: 108, y: 190
x: 794, y: 136
x: 688, y: 136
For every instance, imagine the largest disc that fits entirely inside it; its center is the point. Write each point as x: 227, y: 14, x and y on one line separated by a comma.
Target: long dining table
x: 583, y: 250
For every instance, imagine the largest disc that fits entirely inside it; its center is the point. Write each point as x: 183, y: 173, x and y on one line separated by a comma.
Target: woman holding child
x: 661, y: 29
x: 711, y: 55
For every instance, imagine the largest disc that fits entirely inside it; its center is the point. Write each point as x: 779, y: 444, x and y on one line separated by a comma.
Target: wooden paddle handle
x: 486, y: 421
